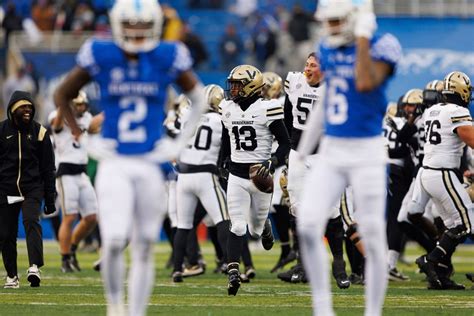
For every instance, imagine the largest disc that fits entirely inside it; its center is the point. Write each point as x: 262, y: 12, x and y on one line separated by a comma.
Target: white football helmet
x: 136, y: 24
x: 338, y: 19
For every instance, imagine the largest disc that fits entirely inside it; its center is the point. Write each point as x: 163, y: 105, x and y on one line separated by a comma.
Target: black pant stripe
x: 456, y: 198
x: 344, y: 210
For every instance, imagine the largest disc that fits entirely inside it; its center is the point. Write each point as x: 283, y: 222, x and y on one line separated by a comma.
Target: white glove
x: 166, y: 149
x: 365, y: 24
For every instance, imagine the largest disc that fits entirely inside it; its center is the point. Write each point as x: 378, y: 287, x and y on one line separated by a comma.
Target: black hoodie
x: 26, y: 157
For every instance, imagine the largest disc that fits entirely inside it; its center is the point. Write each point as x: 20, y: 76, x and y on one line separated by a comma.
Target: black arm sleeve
x: 399, y: 152
x: 406, y: 132
x: 281, y: 135
x: 288, y: 107
x: 47, y: 169
x: 224, y: 152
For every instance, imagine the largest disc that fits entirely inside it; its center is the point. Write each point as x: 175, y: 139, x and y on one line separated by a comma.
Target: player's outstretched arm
x: 67, y: 91
x: 466, y: 134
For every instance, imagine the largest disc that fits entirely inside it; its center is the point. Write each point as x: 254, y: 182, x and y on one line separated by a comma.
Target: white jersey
x: 203, y: 148
x: 250, y: 135
x: 67, y: 149
x: 303, y: 97
x: 391, y: 135
x: 443, y: 148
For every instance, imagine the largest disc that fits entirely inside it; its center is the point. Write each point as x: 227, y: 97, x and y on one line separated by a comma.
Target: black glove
x: 49, y: 203
x: 391, y: 123
x: 266, y: 167
x: 49, y: 209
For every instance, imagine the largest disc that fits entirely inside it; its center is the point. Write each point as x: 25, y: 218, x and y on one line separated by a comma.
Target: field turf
x: 82, y: 293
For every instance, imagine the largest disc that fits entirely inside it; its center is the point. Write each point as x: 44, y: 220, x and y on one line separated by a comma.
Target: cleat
x: 286, y: 275
x: 267, y: 236
x: 339, y: 273
x: 395, y: 275
x: 234, y: 282
x: 193, y: 271
x: 34, y: 276
x: 177, y: 277
x: 448, y: 284
x: 12, y: 283
x: 74, y: 263
x: 428, y: 268
x: 354, y: 278
x: 250, y: 272
x: 299, y: 275
x: 66, y: 266
x: 284, y: 261
x: 96, y: 265
x: 244, y: 278
x: 470, y: 276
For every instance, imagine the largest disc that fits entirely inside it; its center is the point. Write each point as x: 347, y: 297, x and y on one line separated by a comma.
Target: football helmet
x: 214, y: 95
x: 458, y: 83
x: 80, y: 103
x: 136, y: 24
x: 338, y: 19
x: 273, y: 85
x: 435, y: 85
x: 432, y: 92
x: 244, y: 81
x: 413, y: 98
x: 182, y: 104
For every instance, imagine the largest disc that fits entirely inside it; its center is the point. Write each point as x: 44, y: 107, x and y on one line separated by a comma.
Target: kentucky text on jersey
x: 133, y: 93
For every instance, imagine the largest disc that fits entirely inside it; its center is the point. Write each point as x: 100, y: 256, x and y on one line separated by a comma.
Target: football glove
x: 266, y: 167
x: 365, y: 25
x: 49, y: 208
x: 391, y: 123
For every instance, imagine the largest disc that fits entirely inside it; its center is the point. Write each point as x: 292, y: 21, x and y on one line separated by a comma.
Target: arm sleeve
x: 406, y: 133
x: 278, y: 129
x: 85, y: 58
x: 224, y: 153
x: 47, y: 167
x: 288, y: 107
x: 183, y: 60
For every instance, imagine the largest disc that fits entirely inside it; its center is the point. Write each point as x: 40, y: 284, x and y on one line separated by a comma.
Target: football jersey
x: 203, y: 148
x: 133, y: 93
x: 391, y: 135
x: 67, y: 149
x: 349, y: 113
x: 443, y: 147
x: 303, y: 97
x: 418, y: 152
x: 250, y: 135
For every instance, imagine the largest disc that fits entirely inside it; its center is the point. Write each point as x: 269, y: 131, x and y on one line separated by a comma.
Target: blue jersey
x: 133, y: 93
x: 348, y: 112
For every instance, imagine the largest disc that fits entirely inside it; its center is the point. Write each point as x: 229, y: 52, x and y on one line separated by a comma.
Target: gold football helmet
x: 284, y: 182
x: 460, y: 84
x: 182, y: 105
x: 435, y: 85
x: 413, y: 97
x: 273, y: 85
x: 214, y: 95
x: 244, y: 81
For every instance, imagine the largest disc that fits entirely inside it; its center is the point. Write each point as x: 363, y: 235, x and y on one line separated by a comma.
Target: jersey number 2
x: 249, y: 143
x: 135, y: 111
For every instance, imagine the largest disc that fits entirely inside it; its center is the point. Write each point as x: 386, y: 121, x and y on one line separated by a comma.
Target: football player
x: 198, y: 181
x: 133, y: 72
x: 250, y: 124
x: 448, y: 130
x: 304, y: 94
x: 356, y: 66
x: 273, y: 89
x: 75, y: 189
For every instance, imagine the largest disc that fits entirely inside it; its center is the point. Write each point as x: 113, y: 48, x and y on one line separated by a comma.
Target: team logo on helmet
x: 459, y: 83
x: 273, y: 85
x: 214, y: 96
x: 244, y: 81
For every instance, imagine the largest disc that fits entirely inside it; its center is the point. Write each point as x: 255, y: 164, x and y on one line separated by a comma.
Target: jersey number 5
x: 432, y: 135
x: 249, y: 142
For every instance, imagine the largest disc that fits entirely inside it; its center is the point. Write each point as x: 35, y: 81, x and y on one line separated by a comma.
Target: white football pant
x: 360, y: 163
x: 247, y: 206
x: 77, y: 195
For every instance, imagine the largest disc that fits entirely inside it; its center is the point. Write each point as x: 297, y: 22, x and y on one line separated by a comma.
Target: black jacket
x: 26, y: 157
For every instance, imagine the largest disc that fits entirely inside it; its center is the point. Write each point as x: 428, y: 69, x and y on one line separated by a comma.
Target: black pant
x: 9, y: 214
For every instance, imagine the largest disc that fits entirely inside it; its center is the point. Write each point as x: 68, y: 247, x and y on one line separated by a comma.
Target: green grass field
x: 82, y: 293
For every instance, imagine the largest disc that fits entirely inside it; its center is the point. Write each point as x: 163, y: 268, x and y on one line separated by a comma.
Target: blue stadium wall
x: 432, y: 47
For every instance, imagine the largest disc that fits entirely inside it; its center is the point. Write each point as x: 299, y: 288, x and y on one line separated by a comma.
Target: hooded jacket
x: 26, y: 157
